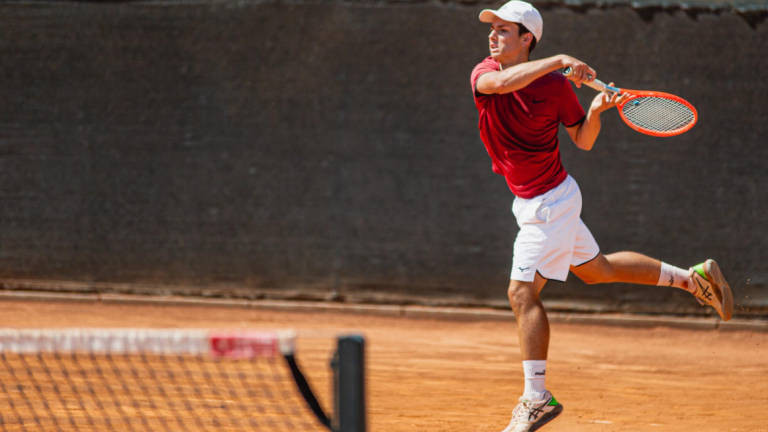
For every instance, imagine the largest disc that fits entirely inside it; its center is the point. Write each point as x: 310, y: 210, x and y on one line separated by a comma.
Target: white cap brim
x: 487, y: 15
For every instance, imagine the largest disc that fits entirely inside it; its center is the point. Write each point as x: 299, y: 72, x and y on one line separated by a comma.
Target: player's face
x: 504, y: 42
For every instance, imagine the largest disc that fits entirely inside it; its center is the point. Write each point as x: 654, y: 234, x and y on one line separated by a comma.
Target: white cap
x: 517, y: 11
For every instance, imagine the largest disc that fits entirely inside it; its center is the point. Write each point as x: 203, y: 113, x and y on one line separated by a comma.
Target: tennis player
x: 521, y: 104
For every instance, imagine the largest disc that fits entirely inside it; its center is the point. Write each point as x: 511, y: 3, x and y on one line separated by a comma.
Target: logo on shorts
x: 522, y: 269
x: 542, y: 373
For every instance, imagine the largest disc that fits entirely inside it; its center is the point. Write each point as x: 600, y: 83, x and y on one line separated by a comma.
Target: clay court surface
x: 429, y: 375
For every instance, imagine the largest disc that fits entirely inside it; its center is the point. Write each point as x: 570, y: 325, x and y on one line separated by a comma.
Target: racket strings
x: 658, y: 114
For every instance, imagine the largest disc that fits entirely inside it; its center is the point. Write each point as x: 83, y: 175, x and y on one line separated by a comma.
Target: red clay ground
x: 430, y: 375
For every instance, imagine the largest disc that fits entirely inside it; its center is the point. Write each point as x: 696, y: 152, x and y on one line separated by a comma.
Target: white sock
x: 673, y: 276
x: 535, y: 373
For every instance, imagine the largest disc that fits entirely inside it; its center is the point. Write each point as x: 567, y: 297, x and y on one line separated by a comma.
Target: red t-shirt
x: 519, y: 129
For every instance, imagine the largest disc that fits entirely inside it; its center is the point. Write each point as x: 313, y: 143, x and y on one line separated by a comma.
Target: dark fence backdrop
x: 329, y: 149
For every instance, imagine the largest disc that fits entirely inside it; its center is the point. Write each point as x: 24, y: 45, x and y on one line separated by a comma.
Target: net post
x: 348, y: 365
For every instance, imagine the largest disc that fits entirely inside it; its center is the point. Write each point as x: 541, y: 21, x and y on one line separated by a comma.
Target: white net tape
x: 156, y: 341
x: 658, y: 114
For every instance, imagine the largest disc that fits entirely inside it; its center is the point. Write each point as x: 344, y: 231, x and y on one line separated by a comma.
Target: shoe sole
x: 717, y: 278
x: 546, y: 418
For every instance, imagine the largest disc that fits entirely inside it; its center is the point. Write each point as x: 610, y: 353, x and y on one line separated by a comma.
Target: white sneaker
x: 712, y: 289
x: 529, y: 416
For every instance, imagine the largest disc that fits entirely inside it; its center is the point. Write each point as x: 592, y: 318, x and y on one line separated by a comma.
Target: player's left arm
x: 585, y: 134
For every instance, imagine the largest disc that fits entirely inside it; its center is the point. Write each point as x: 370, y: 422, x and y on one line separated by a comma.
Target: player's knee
x: 520, y: 295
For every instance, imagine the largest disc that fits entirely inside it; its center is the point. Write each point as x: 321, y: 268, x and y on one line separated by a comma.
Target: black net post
x: 349, y: 384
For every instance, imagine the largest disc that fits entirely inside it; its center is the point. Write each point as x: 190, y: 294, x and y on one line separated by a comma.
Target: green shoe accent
x: 553, y: 402
x: 700, y: 270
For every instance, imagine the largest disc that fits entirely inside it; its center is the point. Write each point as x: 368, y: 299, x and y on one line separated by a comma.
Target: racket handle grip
x: 595, y: 84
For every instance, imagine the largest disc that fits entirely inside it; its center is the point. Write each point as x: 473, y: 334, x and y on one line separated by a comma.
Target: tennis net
x: 171, y: 380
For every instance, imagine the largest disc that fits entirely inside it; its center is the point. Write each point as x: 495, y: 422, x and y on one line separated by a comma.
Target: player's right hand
x: 580, y: 71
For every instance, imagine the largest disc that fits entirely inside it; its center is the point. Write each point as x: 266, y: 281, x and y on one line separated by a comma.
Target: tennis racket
x: 651, y: 112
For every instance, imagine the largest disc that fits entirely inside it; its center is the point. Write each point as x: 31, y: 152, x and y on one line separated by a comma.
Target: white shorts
x: 552, y: 236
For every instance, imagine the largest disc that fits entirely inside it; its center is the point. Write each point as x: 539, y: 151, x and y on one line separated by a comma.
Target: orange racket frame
x: 633, y: 96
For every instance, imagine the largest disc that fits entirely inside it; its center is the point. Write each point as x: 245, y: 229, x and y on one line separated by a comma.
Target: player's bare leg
x: 628, y: 267
x: 532, y: 323
x: 537, y: 406
x: 704, y: 281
